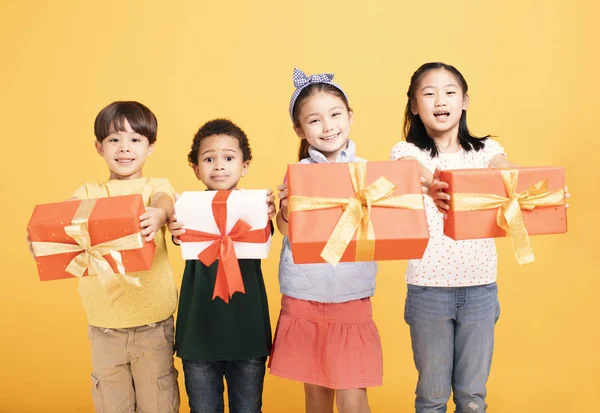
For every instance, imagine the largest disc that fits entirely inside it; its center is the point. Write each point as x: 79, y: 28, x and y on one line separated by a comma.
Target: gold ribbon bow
x: 91, y: 257
x: 357, y: 213
x: 509, y: 216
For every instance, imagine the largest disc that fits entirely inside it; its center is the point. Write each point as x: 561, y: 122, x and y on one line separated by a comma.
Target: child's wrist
x: 284, y: 213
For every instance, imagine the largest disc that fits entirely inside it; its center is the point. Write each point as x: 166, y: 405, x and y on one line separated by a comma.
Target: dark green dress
x: 211, y: 330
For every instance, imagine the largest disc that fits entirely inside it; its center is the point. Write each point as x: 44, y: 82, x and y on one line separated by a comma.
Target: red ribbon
x: 229, y: 277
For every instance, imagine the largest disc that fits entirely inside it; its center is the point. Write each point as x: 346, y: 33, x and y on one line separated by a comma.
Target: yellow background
x: 532, y: 67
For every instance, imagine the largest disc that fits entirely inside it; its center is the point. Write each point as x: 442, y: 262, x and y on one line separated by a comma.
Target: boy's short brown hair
x: 141, y: 119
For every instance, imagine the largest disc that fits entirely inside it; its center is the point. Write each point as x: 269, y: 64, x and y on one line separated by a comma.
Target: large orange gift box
x: 363, y: 211
x: 489, y: 203
x: 98, y: 236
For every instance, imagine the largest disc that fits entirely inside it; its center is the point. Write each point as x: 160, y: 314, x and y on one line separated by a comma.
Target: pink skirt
x: 334, y: 345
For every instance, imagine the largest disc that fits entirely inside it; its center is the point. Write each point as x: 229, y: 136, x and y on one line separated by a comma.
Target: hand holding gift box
x: 86, y: 237
x: 365, y: 211
x: 487, y: 203
x: 224, y: 225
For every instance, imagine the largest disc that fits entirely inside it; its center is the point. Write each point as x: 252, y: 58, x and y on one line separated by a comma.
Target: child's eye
x: 313, y: 121
x: 451, y: 92
x: 229, y: 158
x: 113, y: 140
x: 136, y: 140
x: 428, y: 94
x: 336, y: 114
x: 209, y: 159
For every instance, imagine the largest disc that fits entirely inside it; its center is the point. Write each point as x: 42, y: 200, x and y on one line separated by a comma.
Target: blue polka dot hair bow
x: 301, y: 81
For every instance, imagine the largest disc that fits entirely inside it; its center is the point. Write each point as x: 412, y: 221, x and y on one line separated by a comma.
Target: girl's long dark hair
x: 414, y: 130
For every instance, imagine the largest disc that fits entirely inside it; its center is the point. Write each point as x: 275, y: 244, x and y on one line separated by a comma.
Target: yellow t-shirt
x: 156, y: 300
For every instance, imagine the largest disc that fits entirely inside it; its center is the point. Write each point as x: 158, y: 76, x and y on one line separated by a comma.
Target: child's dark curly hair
x: 220, y: 127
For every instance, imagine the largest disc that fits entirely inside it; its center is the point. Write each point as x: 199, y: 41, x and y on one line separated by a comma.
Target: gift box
x: 365, y: 211
x: 101, y: 236
x: 489, y: 203
x: 224, y: 226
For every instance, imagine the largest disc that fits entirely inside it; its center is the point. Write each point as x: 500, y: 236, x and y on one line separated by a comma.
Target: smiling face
x: 439, y: 101
x: 125, y: 152
x: 220, y: 163
x: 324, y: 121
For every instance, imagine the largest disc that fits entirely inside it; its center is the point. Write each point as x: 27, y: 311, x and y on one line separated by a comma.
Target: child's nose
x: 326, y: 125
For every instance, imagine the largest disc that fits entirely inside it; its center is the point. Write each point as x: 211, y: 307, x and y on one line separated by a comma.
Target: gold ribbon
x: 509, y: 216
x: 357, y: 213
x: 92, y: 257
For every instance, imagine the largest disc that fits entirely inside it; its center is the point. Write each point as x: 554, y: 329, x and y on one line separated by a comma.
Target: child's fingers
x: 145, y: 223
x: 567, y: 206
x: 281, y: 187
x: 177, y: 232
x: 173, y: 226
x: 150, y: 237
x: 270, y: 199
x: 176, y: 240
x: 283, y: 194
x: 269, y: 191
x: 147, y: 231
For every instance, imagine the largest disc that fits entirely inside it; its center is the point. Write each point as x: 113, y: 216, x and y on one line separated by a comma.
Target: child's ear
x: 150, y: 149
x: 197, y: 171
x: 299, y: 131
x: 351, y: 117
x: 245, y: 167
x: 413, y: 107
x: 99, y: 148
x: 465, y: 102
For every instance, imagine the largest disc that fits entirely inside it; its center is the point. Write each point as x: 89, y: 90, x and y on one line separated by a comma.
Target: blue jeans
x: 452, y: 333
x: 204, y: 385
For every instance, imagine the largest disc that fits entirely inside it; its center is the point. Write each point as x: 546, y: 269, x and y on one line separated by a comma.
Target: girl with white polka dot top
x: 452, y: 300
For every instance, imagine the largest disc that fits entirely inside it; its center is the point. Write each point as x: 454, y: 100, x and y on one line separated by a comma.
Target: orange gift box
x: 322, y: 196
x: 108, y: 219
x: 537, y: 193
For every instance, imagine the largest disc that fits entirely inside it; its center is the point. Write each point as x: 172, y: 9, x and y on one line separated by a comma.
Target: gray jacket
x: 323, y: 282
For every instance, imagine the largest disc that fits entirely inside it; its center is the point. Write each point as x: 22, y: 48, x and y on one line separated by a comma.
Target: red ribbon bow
x: 229, y: 277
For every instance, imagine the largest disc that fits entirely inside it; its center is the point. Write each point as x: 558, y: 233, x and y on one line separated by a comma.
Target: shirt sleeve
x: 81, y: 193
x: 491, y: 149
x: 161, y: 185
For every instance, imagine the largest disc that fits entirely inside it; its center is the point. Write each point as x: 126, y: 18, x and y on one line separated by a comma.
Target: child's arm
x: 500, y: 161
x: 156, y: 215
x: 283, y: 214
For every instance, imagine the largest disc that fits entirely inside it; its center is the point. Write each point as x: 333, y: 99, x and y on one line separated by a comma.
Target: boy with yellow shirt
x: 132, y: 338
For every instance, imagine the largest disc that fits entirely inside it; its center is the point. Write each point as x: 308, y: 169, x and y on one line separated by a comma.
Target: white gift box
x: 195, y: 210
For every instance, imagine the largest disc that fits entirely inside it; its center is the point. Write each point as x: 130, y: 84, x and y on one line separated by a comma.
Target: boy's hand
x: 175, y: 228
x: 283, y: 197
x: 151, y: 222
x: 271, y: 204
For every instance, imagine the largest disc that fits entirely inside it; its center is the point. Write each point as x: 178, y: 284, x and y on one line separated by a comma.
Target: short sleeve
x: 81, y: 193
x: 161, y: 185
x: 404, y: 149
x: 491, y: 149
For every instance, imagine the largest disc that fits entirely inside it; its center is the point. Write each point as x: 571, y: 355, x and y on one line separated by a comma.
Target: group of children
x: 325, y: 336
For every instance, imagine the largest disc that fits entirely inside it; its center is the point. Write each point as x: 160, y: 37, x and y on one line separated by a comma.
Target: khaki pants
x: 132, y: 369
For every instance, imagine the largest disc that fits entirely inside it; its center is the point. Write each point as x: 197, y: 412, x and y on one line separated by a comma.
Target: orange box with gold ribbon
x: 489, y: 203
x: 363, y: 211
x: 101, y: 236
